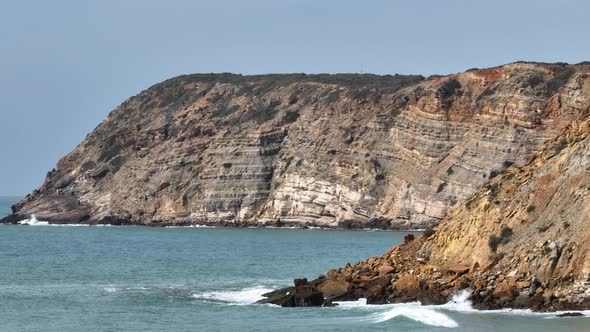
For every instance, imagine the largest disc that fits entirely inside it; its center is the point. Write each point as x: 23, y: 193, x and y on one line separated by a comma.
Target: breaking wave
x: 437, y: 315
x: 246, y: 295
x: 377, y: 313
x: 33, y: 222
x: 417, y: 313
x: 427, y: 315
x: 434, y: 315
x: 460, y: 303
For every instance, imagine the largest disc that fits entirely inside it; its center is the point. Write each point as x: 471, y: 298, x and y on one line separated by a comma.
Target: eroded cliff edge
x: 322, y: 150
x: 521, y: 241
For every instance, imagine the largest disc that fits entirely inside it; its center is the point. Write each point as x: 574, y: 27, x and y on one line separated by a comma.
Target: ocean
x: 67, y: 278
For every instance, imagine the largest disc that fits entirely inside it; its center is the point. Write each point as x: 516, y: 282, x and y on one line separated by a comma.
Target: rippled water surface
x: 63, y: 278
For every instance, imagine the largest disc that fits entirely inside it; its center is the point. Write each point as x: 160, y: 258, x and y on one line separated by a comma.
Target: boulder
x: 334, y: 288
x: 300, y: 282
x: 376, y: 295
x: 282, y: 297
x: 571, y: 314
x: 408, y: 285
x: 504, y: 292
x: 308, y: 296
x: 383, y: 280
x: 432, y: 294
x: 459, y: 269
x: 524, y: 301
x: 301, y: 295
x: 385, y: 269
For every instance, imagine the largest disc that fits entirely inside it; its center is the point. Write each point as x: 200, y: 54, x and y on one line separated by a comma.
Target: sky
x: 64, y: 65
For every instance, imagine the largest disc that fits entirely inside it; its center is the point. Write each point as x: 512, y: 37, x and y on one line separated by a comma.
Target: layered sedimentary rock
x: 324, y: 150
x: 521, y: 241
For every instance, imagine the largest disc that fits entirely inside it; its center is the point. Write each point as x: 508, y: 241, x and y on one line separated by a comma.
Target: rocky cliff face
x: 521, y: 241
x: 323, y: 150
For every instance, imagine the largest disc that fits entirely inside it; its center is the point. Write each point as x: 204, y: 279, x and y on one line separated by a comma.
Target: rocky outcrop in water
x: 520, y: 242
x: 350, y: 151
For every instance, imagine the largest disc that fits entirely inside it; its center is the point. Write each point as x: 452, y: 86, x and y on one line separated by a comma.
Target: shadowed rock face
x: 325, y: 150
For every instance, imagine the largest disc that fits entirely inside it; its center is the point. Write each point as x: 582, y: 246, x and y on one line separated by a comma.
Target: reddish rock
x: 459, y: 269
x: 376, y: 295
x: 504, y: 292
x: 385, y: 269
x: 334, y: 288
x: 408, y: 285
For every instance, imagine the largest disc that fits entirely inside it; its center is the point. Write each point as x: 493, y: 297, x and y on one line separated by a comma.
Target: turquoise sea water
x: 65, y: 278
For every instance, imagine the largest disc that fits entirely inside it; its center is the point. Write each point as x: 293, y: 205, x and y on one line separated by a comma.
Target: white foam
x: 190, y: 226
x: 247, y: 295
x: 417, y: 313
x: 33, y: 222
x: 358, y: 304
x: 413, y: 310
x: 459, y: 302
x: 69, y: 225
x: 435, y: 315
x: 119, y: 289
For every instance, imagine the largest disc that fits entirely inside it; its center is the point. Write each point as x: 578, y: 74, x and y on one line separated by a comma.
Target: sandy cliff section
x: 325, y: 150
x: 530, y: 219
x: 521, y: 242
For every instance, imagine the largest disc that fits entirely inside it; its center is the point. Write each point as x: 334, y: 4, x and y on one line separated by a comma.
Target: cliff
x: 521, y: 241
x: 323, y: 150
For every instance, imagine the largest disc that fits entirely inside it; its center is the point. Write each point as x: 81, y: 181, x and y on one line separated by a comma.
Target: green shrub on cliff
x: 428, y: 232
x: 290, y: 116
x: 559, y: 80
x: 262, y: 113
x: 449, y: 88
x: 223, y: 110
x: 294, y: 98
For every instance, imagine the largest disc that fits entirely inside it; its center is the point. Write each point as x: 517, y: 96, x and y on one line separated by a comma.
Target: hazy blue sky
x: 65, y: 64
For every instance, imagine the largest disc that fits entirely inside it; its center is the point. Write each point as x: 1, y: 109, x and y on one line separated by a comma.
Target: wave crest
x: 417, y: 313
x: 247, y: 295
x: 33, y: 222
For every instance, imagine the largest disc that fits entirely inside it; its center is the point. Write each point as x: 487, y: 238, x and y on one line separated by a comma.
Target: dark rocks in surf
x: 571, y: 314
x: 303, y: 294
x: 398, y: 277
